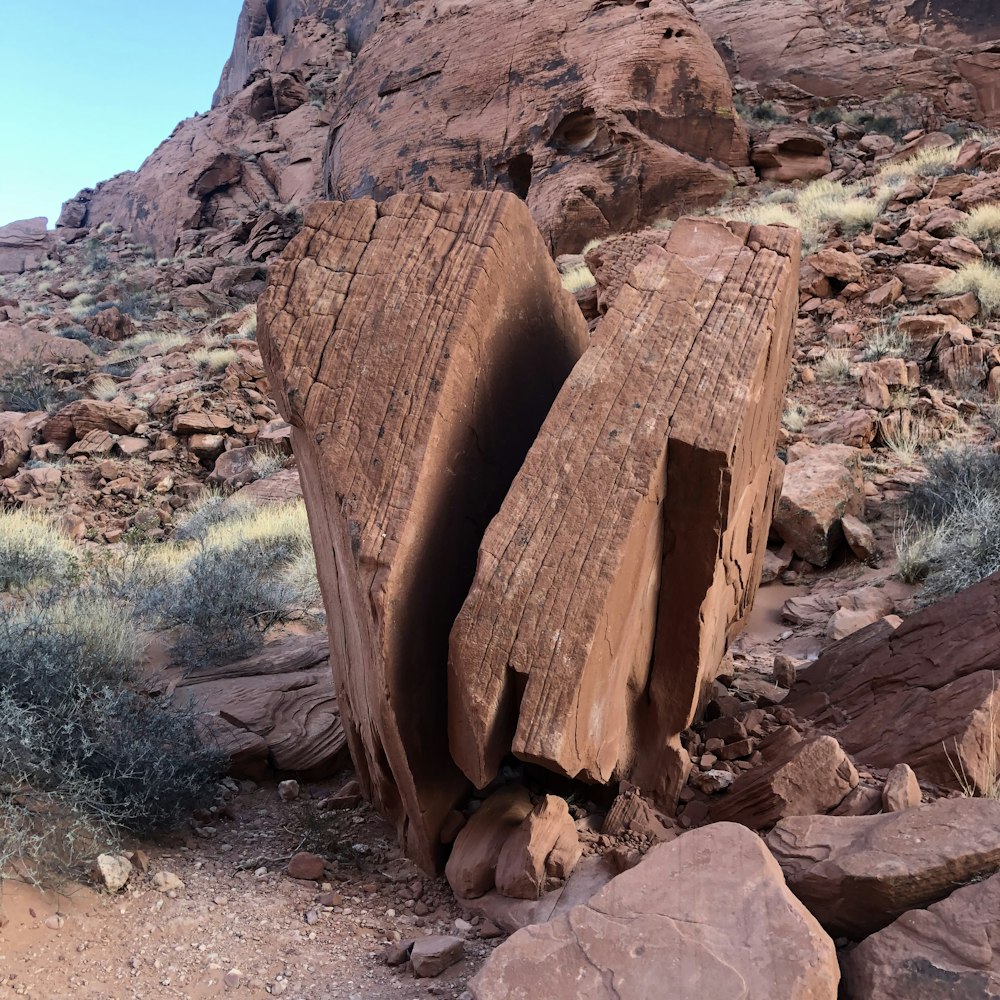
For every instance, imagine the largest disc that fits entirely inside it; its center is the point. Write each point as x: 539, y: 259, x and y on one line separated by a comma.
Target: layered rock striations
x: 415, y: 347
x: 630, y: 544
x: 423, y: 351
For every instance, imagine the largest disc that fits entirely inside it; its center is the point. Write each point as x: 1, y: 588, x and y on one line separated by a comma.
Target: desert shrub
x: 77, y: 733
x: 32, y: 551
x: 30, y: 387
x: 104, y: 388
x: 949, y: 537
x: 232, y: 588
x: 980, y: 278
x: 826, y: 116
x: 267, y: 461
x: 161, y: 342
x: 934, y: 162
x: 209, y: 509
x: 139, y: 304
x: 982, y: 223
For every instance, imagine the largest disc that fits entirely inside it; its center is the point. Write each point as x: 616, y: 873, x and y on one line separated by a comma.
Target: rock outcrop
x: 415, y: 348
x: 945, y: 51
x: 947, y: 950
x: 708, y: 913
x: 600, y: 116
x: 856, y: 874
x: 631, y: 542
x: 23, y: 245
x: 923, y: 693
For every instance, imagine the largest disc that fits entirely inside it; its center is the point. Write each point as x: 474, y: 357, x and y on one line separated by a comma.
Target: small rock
x: 167, y: 882
x: 288, y: 790
x: 398, y: 952
x: 432, y: 955
x: 232, y: 979
x: 55, y: 922
x: 901, y: 789
x: 305, y: 865
x: 114, y: 871
x: 859, y: 537
x: 784, y: 668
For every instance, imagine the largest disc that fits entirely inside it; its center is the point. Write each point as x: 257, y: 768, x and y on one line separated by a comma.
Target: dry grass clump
x: 904, y: 439
x: 577, y: 278
x: 852, y: 208
x: 248, y: 328
x: 795, y: 417
x: 835, y: 365
x: 980, y: 278
x: 982, y: 223
x: 934, y: 162
x: 160, y: 343
x: 886, y: 341
x: 32, y: 551
x: 104, y: 388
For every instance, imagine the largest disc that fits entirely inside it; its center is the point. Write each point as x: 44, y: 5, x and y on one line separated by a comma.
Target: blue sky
x: 89, y: 88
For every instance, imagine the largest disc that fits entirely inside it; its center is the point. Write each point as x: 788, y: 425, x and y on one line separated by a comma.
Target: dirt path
x: 239, y: 914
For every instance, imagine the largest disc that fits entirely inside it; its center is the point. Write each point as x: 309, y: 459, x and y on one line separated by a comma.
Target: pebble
x: 288, y: 790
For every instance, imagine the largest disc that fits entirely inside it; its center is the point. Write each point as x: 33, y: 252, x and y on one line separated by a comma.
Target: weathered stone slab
x: 924, y: 693
x: 946, y: 951
x: 856, y: 874
x: 415, y: 347
x: 706, y: 916
x: 631, y: 542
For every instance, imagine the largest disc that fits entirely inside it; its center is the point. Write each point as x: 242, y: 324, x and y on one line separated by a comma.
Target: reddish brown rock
x: 921, y: 281
x: 282, y: 696
x: 21, y: 345
x: 819, y: 488
x: 801, y: 50
x: 600, y: 117
x: 901, y: 789
x: 79, y: 418
x: 111, y: 324
x: 640, y: 515
x: 807, y: 777
x: 398, y: 382
x: 472, y: 864
x: 708, y: 914
x: 856, y: 874
x: 858, y: 609
x: 306, y: 866
x: 792, y: 153
x: 545, y: 845
x: 23, y: 245
x: 922, y: 693
x: 859, y: 537
x: 431, y: 955
x: 17, y: 434
x: 942, y: 952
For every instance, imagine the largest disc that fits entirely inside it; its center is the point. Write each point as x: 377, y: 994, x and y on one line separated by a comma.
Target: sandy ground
x: 239, y: 914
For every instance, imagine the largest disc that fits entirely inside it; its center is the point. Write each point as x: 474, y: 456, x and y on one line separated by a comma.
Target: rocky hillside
x: 656, y: 554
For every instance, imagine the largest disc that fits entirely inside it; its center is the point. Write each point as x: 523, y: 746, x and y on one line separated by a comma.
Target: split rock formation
x: 444, y: 402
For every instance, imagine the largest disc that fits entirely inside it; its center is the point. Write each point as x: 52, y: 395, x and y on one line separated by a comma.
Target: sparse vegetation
x: 834, y: 366
x: 980, y: 278
x: 577, y: 278
x: 31, y: 387
x: 795, y: 417
x: 934, y: 162
x: 982, y: 224
x: 904, y: 439
x: 32, y: 551
x: 949, y: 538
x: 886, y: 341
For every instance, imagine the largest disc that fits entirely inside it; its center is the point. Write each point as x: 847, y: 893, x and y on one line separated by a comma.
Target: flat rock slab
x: 630, y: 544
x: 923, y: 693
x: 415, y: 347
x: 945, y: 952
x: 705, y: 916
x: 856, y: 874
x: 284, y: 696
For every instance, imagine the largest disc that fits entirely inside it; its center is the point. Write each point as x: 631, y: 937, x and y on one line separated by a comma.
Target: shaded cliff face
x: 600, y: 116
x: 947, y: 51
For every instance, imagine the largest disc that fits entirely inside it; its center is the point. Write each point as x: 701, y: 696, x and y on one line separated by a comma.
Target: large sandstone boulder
x: 415, y: 348
x: 819, y: 488
x: 600, y: 116
x: 706, y: 916
x: 856, y: 874
x: 924, y: 693
x: 792, y: 153
x: 23, y: 245
x: 631, y: 542
x: 944, y: 952
x: 799, y: 50
x: 21, y: 345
